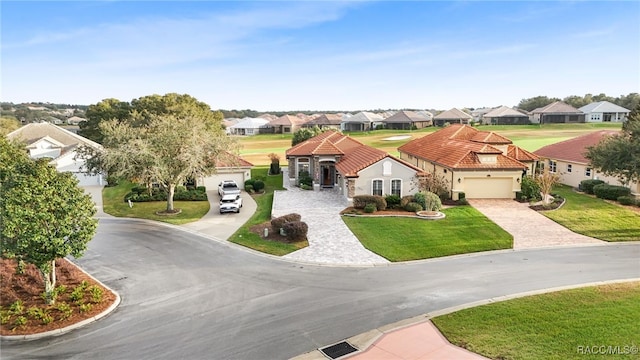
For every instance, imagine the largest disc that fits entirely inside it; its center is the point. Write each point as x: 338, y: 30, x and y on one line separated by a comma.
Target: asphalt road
x: 189, y: 297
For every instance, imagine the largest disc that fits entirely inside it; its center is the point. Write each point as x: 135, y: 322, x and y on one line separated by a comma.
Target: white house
x: 362, y: 121
x: 249, y: 126
x: 45, y: 140
x: 604, y: 111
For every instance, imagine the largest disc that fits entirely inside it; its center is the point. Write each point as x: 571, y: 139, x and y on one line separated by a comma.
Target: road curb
x: 364, y: 340
x: 77, y: 325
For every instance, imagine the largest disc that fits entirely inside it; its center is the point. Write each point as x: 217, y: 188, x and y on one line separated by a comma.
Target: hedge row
x: 610, y: 192
x: 141, y: 194
x: 587, y: 185
x: 360, y: 201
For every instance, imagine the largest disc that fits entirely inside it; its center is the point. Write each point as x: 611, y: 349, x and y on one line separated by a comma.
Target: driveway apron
x: 529, y: 228
x: 330, y: 240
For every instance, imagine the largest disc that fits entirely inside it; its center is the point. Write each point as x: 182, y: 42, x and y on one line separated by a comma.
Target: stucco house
x: 452, y: 116
x: 604, y: 111
x: 505, y: 115
x: 287, y: 124
x: 480, y: 164
x: 339, y: 162
x: 362, y: 121
x: 46, y: 140
x: 407, y: 120
x: 566, y: 158
x: 231, y: 167
x: 325, y: 121
x: 250, y: 126
x: 557, y: 112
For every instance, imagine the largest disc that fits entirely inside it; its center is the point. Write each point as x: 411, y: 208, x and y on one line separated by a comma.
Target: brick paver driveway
x: 529, y: 228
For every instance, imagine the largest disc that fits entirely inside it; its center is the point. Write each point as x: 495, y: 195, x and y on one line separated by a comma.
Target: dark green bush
x: 530, y: 189
x: 370, y: 208
x: 413, y: 207
x: 249, y: 189
x: 461, y: 196
x: 112, y: 181
x: 420, y: 199
x: 201, y: 188
x: 249, y: 183
x: 141, y: 194
x: 360, y: 201
x: 627, y: 200
x: 393, y: 201
x: 588, y: 185
x: 278, y: 223
x: 258, y: 185
x: 295, y: 231
x: 305, y: 179
x: 610, y: 192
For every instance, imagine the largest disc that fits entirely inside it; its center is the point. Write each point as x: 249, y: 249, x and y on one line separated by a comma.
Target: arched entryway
x: 327, y: 174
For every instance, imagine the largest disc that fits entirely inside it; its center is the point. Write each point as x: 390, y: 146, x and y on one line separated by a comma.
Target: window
x: 396, y: 187
x: 568, y: 168
x: 552, y: 166
x: 587, y: 172
x: 303, y: 167
x: 377, y: 187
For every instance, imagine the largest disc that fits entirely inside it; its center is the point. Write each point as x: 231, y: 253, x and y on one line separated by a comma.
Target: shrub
x: 96, y: 293
x: 461, y: 196
x: 627, y: 200
x: 370, y: 208
x: 19, y: 322
x: 432, y: 202
x: 306, y: 187
x: 17, y: 307
x: 77, y: 294
x: 278, y: 223
x: 610, y: 192
x: 305, y: 179
x: 413, y: 207
x: 112, y: 181
x: 249, y: 182
x: 296, y: 231
x: 249, y: 189
x: 85, y: 307
x: 463, y: 202
x: 405, y: 200
x: 529, y: 189
x: 258, y: 185
x: 65, y: 309
x: 360, y: 201
x: 393, y: 201
x: 420, y: 199
x: 588, y: 185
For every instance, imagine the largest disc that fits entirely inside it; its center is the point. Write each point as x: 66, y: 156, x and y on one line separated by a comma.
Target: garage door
x: 212, y: 182
x: 88, y: 180
x: 488, y: 188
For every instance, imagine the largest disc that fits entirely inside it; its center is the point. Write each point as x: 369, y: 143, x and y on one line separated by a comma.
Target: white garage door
x: 88, y: 180
x: 488, y: 188
x: 212, y: 182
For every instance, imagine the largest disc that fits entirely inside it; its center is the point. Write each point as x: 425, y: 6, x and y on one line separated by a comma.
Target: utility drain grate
x: 338, y: 350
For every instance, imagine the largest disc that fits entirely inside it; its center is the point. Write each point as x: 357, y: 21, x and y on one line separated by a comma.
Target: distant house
x: 566, y: 158
x: 362, y: 121
x: 45, y: 140
x: 478, y: 114
x: 480, y: 164
x: 452, y: 116
x: 325, y: 121
x: 337, y: 161
x: 75, y: 120
x: 504, y: 115
x: 287, y: 124
x: 604, y: 111
x: 250, y: 126
x: 557, y: 112
x: 407, y: 120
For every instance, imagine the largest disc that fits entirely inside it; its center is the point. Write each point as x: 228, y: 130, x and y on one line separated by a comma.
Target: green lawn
x: 595, y: 217
x: 113, y: 203
x: 464, y: 230
x: 550, y: 326
x: 263, y: 213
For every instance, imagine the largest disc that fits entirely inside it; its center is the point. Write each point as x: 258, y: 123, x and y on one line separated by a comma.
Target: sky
x: 318, y: 55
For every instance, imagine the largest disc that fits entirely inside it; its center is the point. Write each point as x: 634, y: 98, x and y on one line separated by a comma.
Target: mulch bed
x: 28, y: 288
x: 387, y: 212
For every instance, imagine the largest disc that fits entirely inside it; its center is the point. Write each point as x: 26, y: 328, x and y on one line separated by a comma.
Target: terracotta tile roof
x: 557, y: 107
x: 573, y: 149
x: 229, y: 160
x: 354, y: 155
x: 453, y: 114
x: 489, y: 137
x: 454, y: 148
x: 520, y: 154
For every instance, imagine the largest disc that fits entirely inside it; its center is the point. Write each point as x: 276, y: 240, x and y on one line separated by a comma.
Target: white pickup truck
x: 228, y: 187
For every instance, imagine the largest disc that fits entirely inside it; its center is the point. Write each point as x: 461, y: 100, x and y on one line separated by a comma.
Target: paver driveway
x: 330, y: 240
x: 529, y: 228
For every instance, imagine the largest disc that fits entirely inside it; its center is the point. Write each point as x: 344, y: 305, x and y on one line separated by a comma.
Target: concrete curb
x: 363, y: 341
x: 80, y: 324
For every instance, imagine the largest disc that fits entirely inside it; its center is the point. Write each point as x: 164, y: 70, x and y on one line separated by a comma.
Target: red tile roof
x: 229, y: 160
x: 457, y: 147
x: 520, y: 154
x: 490, y: 138
x: 354, y: 155
x: 573, y: 149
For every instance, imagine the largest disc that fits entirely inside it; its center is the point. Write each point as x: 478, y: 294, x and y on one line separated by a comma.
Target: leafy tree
x: 433, y: 183
x: 8, y: 124
x: 619, y: 155
x: 305, y: 134
x: 107, y: 109
x: 44, y: 214
x: 167, y: 150
x: 535, y: 102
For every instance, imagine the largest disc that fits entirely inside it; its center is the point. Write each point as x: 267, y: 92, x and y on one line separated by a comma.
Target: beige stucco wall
x: 397, y: 170
x: 579, y: 173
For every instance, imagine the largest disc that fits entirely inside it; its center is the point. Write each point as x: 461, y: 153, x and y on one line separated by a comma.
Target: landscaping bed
x: 23, y: 311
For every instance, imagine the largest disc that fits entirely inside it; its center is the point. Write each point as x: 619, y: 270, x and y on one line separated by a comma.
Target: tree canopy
x: 619, y: 155
x: 167, y: 140
x: 44, y: 214
x: 305, y: 134
x: 629, y: 101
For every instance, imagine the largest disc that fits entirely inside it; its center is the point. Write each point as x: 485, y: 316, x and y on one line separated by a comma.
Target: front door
x: 328, y: 172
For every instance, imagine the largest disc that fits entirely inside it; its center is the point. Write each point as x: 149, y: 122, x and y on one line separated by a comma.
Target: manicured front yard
x: 113, y: 204
x: 557, y: 325
x: 263, y: 213
x: 595, y: 217
x: 464, y: 230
